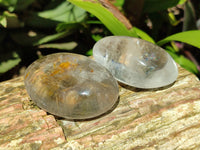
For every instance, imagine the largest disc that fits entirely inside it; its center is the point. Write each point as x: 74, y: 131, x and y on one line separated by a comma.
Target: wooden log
x: 22, y: 125
x: 165, y: 118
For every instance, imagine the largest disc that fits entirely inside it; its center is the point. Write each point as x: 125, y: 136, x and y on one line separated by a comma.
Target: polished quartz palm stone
x: 136, y: 62
x: 71, y: 86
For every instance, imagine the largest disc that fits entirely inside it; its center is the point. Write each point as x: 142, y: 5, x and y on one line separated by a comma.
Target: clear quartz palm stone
x: 136, y: 62
x: 71, y: 86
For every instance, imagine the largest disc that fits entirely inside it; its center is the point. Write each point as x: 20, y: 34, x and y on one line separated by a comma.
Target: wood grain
x: 165, y: 118
x: 22, y: 124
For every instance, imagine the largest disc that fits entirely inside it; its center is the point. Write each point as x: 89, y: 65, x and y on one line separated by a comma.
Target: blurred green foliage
x: 32, y: 28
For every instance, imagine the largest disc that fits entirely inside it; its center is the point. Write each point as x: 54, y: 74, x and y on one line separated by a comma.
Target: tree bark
x: 116, y: 13
x: 164, y: 118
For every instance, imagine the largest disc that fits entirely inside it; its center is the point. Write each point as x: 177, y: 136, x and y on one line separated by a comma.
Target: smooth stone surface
x: 71, y: 86
x: 136, y: 62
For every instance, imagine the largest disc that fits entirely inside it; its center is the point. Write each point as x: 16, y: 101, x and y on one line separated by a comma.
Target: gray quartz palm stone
x: 71, y: 86
x: 136, y: 62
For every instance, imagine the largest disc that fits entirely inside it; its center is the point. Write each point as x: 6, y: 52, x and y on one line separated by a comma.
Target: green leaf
x: 3, y: 21
x: 9, y: 4
x: 12, y: 20
x: 105, y: 16
x: 52, y: 37
x: 12, y: 61
x: 182, y: 2
x: 93, y: 22
x: 89, y: 52
x: 67, y: 26
x: 61, y: 46
x: 172, y: 19
x: 189, y: 37
x: 143, y: 35
x: 16, y: 5
x: 159, y: 5
x: 119, y: 3
x: 184, y: 62
x: 65, y: 12
x: 96, y: 37
x: 25, y: 39
x: 175, y: 47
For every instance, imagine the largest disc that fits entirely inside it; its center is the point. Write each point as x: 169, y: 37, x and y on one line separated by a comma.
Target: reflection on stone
x: 71, y: 86
x: 136, y: 62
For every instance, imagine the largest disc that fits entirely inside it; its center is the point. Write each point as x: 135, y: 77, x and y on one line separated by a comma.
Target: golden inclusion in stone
x: 71, y: 86
x: 136, y: 62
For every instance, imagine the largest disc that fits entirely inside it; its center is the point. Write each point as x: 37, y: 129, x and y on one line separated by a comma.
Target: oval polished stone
x: 136, y: 62
x: 71, y: 86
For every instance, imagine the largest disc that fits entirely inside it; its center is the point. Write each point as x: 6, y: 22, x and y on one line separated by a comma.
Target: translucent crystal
x: 71, y: 86
x: 136, y: 62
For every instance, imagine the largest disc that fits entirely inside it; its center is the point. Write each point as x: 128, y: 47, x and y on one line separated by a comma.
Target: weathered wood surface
x: 166, y: 118
x: 22, y: 126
